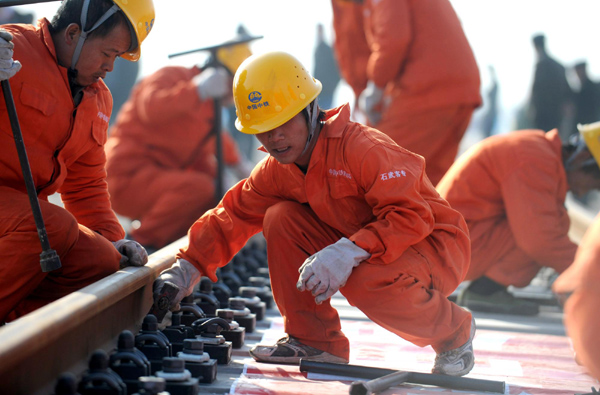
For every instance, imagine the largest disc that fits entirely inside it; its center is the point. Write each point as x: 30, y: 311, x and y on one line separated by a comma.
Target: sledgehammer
x: 378, y: 384
x: 49, y: 259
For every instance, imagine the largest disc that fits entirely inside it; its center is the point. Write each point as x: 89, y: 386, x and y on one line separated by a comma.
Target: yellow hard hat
x: 140, y: 14
x: 269, y: 90
x: 232, y: 56
x: 591, y: 135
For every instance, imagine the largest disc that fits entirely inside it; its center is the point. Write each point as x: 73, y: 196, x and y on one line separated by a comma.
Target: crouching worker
x: 342, y: 207
x: 63, y: 107
x: 511, y: 190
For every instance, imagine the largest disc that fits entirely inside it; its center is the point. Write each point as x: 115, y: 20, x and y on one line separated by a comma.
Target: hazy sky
x: 499, y: 32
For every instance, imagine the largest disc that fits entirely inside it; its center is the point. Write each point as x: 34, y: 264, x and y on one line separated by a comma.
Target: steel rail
x: 37, y: 348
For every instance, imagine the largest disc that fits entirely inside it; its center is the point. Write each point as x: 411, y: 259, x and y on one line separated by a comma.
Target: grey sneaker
x: 288, y: 350
x: 501, y: 302
x: 459, y: 361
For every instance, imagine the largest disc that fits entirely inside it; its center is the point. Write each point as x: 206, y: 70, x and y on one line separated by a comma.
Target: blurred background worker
x: 162, y: 167
x: 579, y: 284
x: 64, y: 109
x: 511, y: 189
x: 422, y: 81
x: 325, y: 69
x: 550, y: 104
x: 348, y: 209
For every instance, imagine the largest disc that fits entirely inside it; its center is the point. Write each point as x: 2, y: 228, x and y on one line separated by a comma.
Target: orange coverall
x: 581, y: 309
x: 511, y: 189
x: 362, y: 186
x: 420, y: 56
x: 66, y: 155
x: 161, y: 158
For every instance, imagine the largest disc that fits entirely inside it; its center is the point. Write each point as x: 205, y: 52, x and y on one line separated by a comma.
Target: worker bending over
x: 63, y: 108
x: 163, y: 143
x: 413, y: 71
x: 342, y: 207
x: 511, y: 189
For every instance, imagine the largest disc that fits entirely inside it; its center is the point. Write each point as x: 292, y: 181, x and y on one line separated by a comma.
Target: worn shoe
x: 501, y: 302
x: 288, y: 350
x: 459, y: 361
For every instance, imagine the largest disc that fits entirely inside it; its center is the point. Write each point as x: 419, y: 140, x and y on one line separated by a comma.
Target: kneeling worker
x: 511, y: 190
x: 347, y: 208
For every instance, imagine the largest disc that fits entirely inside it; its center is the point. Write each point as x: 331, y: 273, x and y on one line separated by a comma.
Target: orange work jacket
x: 417, y: 49
x: 581, y: 309
x: 517, y: 178
x: 359, y: 182
x: 165, y: 124
x: 64, y: 143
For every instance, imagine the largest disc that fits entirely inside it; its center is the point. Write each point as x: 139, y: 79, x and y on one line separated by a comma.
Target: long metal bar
x: 10, y: 3
x: 370, y: 373
x: 49, y: 259
x: 379, y: 384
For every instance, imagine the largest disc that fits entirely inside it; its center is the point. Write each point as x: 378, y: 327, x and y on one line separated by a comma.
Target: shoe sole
x: 296, y: 360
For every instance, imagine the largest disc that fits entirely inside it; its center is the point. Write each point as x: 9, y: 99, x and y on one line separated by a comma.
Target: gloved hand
x: 8, y: 67
x: 325, y: 272
x: 370, y: 102
x: 213, y: 83
x: 132, y: 253
x: 183, y: 275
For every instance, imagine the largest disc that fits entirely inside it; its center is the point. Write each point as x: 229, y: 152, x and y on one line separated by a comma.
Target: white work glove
x: 183, y: 275
x: 325, y: 272
x: 213, y: 83
x: 370, y: 102
x: 8, y: 67
x: 132, y: 253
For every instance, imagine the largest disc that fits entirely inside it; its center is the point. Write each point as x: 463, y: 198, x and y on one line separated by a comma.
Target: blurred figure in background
x: 13, y: 15
x: 587, y: 98
x: 162, y: 166
x: 490, y: 117
x: 550, y: 103
x: 325, y: 69
x: 422, y: 80
x: 579, y: 284
x: 120, y: 82
x: 511, y: 189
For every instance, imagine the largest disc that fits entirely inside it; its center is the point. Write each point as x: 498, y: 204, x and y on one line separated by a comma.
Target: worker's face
x: 98, y: 54
x: 286, y: 142
x: 580, y: 182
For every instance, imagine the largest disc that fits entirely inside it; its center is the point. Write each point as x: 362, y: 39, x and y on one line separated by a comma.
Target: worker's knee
x: 61, y: 227
x: 282, y: 217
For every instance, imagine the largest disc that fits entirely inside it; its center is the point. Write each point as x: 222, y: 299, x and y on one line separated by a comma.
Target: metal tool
x: 49, y: 259
x: 162, y: 302
x: 379, y: 384
x: 370, y: 373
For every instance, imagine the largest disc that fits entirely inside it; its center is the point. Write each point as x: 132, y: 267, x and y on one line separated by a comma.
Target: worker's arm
x: 392, y: 179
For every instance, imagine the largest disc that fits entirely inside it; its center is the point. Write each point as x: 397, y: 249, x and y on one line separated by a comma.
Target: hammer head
x: 163, y: 300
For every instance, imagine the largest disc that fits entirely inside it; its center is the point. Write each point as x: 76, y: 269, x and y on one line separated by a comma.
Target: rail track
x: 36, y: 349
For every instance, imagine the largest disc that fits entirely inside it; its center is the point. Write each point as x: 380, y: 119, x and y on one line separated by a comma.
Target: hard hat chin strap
x: 84, y: 33
x: 313, y: 117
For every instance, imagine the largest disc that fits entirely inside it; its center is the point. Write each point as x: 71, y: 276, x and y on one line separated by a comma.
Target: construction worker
x: 347, y: 209
x: 163, y: 143
x: 579, y: 286
x: 421, y: 80
x: 55, y: 72
x: 511, y: 189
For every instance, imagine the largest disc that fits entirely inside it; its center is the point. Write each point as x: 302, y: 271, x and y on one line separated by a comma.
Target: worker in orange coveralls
x: 511, y: 189
x: 162, y: 144
x: 347, y: 208
x: 421, y: 80
x: 580, y: 284
x: 63, y: 108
